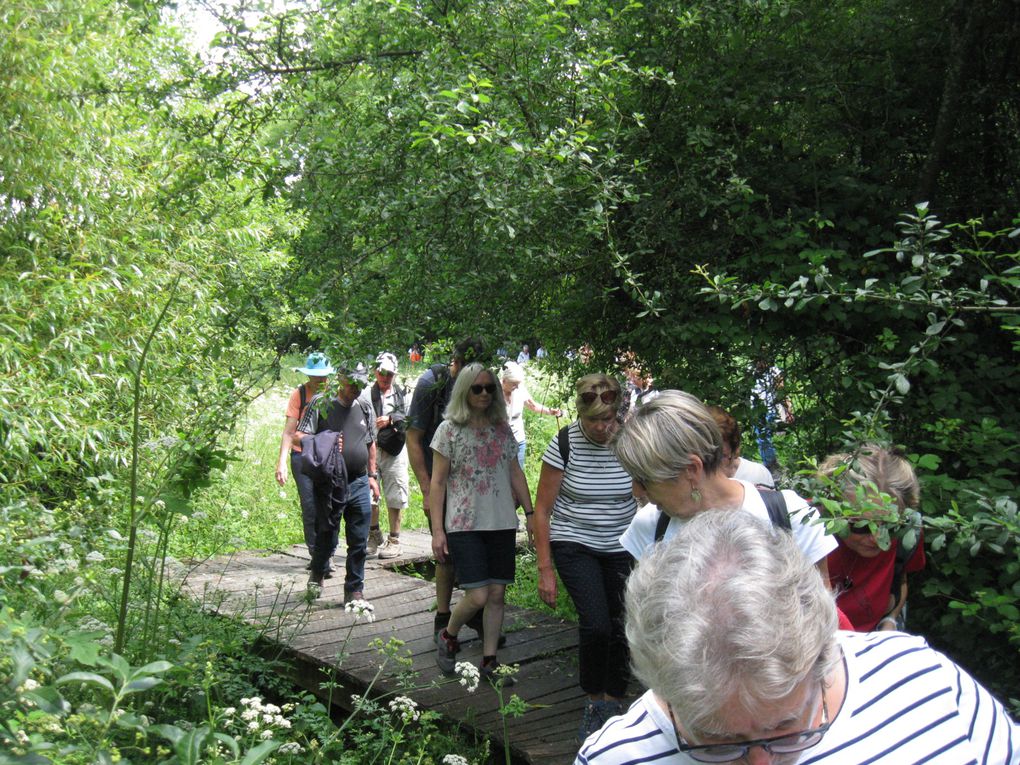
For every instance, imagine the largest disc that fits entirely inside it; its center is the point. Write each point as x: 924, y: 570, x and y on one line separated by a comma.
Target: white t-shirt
x: 754, y: 472
x: 596, y: 501
x: 808, y: 530
x: 515, y: 412
x: 905, y: 703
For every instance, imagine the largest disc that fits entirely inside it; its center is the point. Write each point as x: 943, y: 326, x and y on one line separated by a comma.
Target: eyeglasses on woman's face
x: 789, y: 743
x: 479, y: 388
x: 606, y: 396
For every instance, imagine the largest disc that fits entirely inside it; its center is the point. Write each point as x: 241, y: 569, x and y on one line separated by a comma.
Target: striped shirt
x: 905, y: 703
x: 596, y: 502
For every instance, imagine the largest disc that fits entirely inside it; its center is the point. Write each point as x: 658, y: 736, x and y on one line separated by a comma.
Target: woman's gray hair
x: 887, y: 470
x: 657, y: 442
x: 513, y: 372
x: 728, y: 611
x: 597, y: 383
x: 459, y: 412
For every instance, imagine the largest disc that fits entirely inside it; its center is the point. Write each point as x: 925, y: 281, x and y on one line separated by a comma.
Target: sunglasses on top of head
x: 607, y: 396
x: 489, y: 388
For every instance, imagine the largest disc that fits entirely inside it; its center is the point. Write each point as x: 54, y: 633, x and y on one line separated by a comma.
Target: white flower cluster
x: 291, y: 747
x: 260, y: 718
x: 468, y: 674
x: 455, y: 759
x: 406, y: 708
x: 28, y: 685
x: 95, y: 557
x: 361, y: 609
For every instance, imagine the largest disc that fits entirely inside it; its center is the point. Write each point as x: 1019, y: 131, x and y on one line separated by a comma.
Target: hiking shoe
x: 352, y: 596
x: 447, y: 647
x: 314, y: 588
x: 596, y: 714
x: 477, y: 623
x: 492, y: 673
x: 389, y: 549
x: 374, y: 540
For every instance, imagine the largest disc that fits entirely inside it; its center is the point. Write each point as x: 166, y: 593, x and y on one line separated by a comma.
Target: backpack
x: 563, y: 439
x: 391, y: 438
x: 775, y: 504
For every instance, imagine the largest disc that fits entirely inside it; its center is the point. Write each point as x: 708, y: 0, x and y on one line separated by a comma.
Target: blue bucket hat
x: 317, y: 365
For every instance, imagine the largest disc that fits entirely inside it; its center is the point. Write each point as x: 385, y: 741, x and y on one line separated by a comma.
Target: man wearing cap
x: 388, y: 401
x: 317, y: 368
x: 354, y: 421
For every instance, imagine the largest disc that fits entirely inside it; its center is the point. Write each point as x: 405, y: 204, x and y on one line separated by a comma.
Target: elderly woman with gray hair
x: 673, y: 450
x: 734, y: 633
x: 516, y: 397
x: 582, y: 506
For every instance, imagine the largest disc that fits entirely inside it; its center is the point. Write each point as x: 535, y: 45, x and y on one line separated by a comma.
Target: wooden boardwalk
x: 267, y: 589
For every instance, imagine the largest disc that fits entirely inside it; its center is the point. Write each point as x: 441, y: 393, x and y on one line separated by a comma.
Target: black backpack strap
x: 775, y: 503
x: 563, y: 440
x: 304, y: 400
x: 376, y: 400
x: 660, y: 526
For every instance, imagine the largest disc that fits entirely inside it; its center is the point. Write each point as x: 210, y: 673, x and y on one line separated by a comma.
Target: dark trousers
x: 356, y: 514
x: 596, y: 582
x: 306, y: 496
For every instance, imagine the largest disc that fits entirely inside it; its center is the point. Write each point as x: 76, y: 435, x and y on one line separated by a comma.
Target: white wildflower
x: 455, y: 759
x: 283, y: 494
x: 250, y: 714
x: 361, y: 609
x: 283, y: 722
x: 469, y: 675
x: 182, y: 518
x: 266, y: 735
x: 28, y: 685
x: 253, y: 726
x: 199, y: 516
x: 66, y: 549
x: 61, y: 597
x: 244, y: 514
x: 406, y: 708
x: 95, y: 557
x: 291, y: 747
x: 22, y: 737
x: 229, y: 712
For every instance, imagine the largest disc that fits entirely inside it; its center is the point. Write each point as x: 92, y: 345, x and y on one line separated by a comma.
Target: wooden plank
x: 267, y: 590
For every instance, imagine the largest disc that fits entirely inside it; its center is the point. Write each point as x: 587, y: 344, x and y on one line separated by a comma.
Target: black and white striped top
x: 905, y: 703
x: 596, y: 500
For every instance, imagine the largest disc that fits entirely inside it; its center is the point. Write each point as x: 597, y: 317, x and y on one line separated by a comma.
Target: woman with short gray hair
x: 673, y: 451
x: 734, y: 633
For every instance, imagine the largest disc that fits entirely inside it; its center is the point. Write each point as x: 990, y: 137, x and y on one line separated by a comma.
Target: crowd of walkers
x: 762, y: 633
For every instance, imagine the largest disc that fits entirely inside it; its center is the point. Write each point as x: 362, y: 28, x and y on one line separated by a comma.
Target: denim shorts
x: 481, y: 558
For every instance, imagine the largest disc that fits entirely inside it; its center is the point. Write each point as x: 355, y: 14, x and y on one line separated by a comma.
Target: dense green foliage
x: 705, y: 184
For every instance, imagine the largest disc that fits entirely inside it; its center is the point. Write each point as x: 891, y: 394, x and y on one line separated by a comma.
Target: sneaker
x: 596, y: 714
x: 389, y: 549
x: 374, y: 540
x: 477, y: 623
x: 491, y: 673
x: 447, y: 647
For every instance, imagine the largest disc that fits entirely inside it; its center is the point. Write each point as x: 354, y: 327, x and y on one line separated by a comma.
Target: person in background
x: 871, y: 583
x: 772, y: 405
x: 734, y: 634
x: 388, y: 401
x: 475, y: 468
x: 516, y: 397
x: 584, y: 503
x: 317, y: 368
x: 524, y: 356
x: 672, y: 449
x: 540, y: 353
x: 428, y: 406
x: 734, y: 465
x: 353, y: 420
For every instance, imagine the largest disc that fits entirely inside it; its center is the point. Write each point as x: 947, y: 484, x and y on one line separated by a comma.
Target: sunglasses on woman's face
x: 607, y: 396
x: 489, y: 388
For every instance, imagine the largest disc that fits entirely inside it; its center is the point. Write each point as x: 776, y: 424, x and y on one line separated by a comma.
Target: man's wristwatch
x: 373, y: 475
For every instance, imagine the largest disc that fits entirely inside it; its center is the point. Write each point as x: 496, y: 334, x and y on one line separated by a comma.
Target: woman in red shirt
x: 870, y: 582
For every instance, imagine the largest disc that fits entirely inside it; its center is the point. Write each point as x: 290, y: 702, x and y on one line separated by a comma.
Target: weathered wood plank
x: 320, y: 639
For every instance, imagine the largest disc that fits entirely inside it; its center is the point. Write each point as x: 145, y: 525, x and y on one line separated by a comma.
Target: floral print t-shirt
x: 478, y: 493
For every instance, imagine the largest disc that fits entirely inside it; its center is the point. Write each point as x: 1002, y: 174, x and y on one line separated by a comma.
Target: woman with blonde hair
x: 476, y: 476
x: 870, y: 582
x: 583, y: 504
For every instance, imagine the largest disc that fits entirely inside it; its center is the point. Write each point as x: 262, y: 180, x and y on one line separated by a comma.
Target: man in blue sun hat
x: 317, y: 368
x: 353, y: 420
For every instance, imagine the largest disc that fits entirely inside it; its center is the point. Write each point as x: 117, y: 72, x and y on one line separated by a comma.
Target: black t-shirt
x: 427, y: 407
x: 357, y: 425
